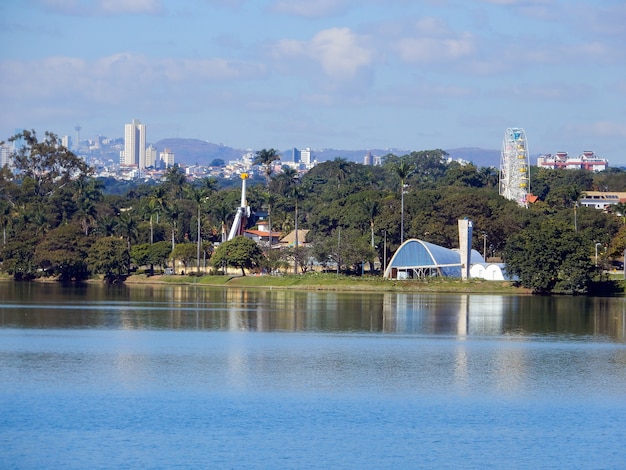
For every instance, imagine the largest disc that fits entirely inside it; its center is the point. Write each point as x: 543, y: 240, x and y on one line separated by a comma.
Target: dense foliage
x: 550, y: 257
x: 57, y: 220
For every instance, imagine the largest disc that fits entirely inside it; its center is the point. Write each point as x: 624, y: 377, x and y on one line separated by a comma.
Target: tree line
x: 59, y: 220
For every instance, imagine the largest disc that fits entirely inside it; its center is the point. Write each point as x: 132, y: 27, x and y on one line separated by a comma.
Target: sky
x: 341, y: 74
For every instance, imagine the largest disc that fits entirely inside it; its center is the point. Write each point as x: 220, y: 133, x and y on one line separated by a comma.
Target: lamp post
x: 597, y: 245
x: 402, y: 214
x: 385, y: 253
x: 485, y: 246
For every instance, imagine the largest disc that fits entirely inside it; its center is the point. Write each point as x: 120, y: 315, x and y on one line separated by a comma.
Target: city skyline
x: 344, y: 74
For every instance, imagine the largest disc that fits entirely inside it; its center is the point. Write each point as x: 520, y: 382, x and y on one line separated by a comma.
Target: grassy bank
x: 333, y: 282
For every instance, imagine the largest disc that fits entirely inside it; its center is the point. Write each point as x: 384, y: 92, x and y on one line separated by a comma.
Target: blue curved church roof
x: 418, y: 253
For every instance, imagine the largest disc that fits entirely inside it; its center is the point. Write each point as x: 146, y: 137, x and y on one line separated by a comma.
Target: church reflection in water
x: 229, y: 309
x: 458, y: 315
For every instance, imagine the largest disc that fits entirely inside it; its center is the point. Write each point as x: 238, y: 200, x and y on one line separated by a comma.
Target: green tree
x: 87, y: 192
x: 185, y: 253
x: 199, y: 197
x: 151, y: 211
x: 345, y: 247
x: 619, y: 210
x: 109, y: 256
x: 18, y: 258
x: 5, y: 219
x: 151, y: 254
x: 126, y: 226
x: 403, y: 170
x: 175, y: 180
x: 550, y: 257
x: 266, y: 158
x: 371, y: 207
x: 63, y: 252
x: 47, y: 163
x: 240, y: 252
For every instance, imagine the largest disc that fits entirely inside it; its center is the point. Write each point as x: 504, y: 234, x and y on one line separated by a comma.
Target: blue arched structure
x: 417, y: 258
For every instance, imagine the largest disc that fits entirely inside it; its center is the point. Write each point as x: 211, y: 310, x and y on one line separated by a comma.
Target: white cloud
x: 103, y: 7
x: 113, y: 78
x: 310, y: 8
x: 435, y: 49
x: 340, y: 52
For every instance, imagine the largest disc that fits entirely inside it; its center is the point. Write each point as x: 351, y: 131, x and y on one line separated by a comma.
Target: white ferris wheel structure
x: 514, y: 166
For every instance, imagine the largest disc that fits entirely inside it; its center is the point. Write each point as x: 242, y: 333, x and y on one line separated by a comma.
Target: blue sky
x: 343, y: 74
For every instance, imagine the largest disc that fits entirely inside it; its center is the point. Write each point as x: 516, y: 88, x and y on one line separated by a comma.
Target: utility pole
x: 485, y: 246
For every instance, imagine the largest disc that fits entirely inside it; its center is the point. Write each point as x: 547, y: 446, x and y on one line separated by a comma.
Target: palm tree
x: 403, y: 170
x: 151, y: 210
x: 221, y: 213
x: 372, y: 209
x: 40, y: 220
x: 105, y: 225
x: 341, y: 170
x: 198, y: 196
x: 160, y: 198
x: 295, y: 192
x: 172, y: 212
x: 127, y: 227
x: 175, y: 180
x: 5, y: 220
x: 265, y: 158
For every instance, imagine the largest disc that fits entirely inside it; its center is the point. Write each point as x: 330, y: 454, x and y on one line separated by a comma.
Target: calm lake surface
x: 197, y: 377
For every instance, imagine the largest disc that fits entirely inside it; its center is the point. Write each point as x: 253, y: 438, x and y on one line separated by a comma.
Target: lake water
x: 196, y: 377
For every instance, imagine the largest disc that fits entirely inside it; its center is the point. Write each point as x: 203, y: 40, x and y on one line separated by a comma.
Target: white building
x: 134, y: 144
x: 602, y: 200
x: 167, y: 158
x: 305, y: 157
x: 587, y: 160
x: 5, y: 155
x: 367, y: 159
x: 66, y: 141
x: 151, y: 156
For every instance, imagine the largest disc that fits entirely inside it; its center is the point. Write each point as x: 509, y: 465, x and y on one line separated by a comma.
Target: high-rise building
x: 305, y: 156
x: 134, y: 144
x: 167, y: 158
x: 367, y: 159
x: 151, y: 156
x: 5, y: 155
x: 302, y: 157
x: 66, y: 141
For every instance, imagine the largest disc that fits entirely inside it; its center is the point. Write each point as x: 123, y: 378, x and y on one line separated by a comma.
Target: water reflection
x: 192, y: 307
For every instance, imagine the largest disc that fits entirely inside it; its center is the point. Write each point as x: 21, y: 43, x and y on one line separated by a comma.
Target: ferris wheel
x: 514, y: 166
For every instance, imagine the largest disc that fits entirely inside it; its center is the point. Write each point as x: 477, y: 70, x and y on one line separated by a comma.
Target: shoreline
x: 333, y: 282
x: 340, y: 283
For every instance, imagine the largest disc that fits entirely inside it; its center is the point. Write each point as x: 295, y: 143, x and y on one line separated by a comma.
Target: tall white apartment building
x: 167, y: 158
x: 66, y: 141
x: 134, y: 144
x: 151, y: 156
x: 5, y: 155
x: 305, y: 156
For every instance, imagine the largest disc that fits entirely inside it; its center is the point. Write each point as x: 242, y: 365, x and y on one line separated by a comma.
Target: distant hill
x: 192, y: 151
x: 201, y: 152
